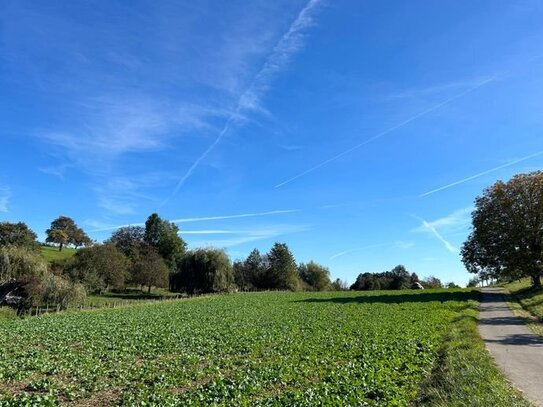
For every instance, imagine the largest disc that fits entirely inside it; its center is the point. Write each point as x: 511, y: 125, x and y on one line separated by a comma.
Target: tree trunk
x: 149, y: 290
x: 536, y: 281
x: 60, y: 247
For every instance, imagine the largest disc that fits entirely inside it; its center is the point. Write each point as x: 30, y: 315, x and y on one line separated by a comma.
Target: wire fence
x: 89, y: 305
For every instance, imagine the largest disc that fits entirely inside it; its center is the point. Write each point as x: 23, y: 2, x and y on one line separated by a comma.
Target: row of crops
x: 241, y: 349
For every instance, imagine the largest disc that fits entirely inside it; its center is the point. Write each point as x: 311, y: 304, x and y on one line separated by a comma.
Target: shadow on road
x: 519, y: 339
x: 501, y: 321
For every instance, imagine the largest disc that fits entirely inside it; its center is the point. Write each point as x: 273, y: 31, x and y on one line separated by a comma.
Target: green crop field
x: 51, y: 254
x: 343, y: 348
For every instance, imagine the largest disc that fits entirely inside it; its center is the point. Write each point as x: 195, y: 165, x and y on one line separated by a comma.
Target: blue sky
x: 358, y: 132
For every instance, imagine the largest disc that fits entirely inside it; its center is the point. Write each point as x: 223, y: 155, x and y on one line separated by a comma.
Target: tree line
x: 506, y: 243
x: 147, y: 256
x: 396, y: 279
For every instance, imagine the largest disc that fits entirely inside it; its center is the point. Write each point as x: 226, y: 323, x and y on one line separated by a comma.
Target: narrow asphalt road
x: 517, y: 351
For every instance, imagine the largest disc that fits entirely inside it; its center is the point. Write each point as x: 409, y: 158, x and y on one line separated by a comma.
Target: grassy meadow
x: 388, y: 348
x: 52, y: 254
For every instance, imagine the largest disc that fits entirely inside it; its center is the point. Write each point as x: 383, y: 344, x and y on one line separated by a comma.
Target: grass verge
x: 465, y: 373
x: 526, y: 303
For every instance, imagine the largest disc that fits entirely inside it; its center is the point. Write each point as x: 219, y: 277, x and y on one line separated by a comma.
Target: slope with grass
x: 526, y: 303
x: 51, y: 254
x: 345, y: 348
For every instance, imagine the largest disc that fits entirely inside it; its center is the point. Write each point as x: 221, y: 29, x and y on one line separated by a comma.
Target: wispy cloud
x: 201, y: 219
x: 5, y: 195
x: 388, y: 131
x: 252, y: 235
x: 290, y: 43
x: 483, y: 173
x: 122, y: 194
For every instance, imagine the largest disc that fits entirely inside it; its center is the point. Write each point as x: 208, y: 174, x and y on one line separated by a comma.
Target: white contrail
x: 211, y: 232
x: 196, y: 163
x: 480, y: 174
x: 243, y: 215
x: 438, y: 235
x: 289, y: 43
x: 432, y: 229
x: 371, y: 246
x: 387, y: 131
x: 206, y: 218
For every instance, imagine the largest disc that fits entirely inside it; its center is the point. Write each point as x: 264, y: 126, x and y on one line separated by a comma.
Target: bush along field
x: 268, y: 348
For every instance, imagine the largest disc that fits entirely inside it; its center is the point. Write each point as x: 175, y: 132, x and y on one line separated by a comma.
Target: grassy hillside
x: 51, y: 254
x: 526, y: 303
x: 273, y: 348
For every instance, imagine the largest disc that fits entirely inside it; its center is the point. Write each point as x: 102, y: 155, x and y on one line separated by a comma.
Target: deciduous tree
x: 164, y: 237
x: 17, y: 234
x: 100, y: 267
x: 149, y: 268
x: 128, y: 239
x: 203, y: 270
x: 317, y: 277
x: 63, y: 231
x: 248, y: 274
x: 507, y: 236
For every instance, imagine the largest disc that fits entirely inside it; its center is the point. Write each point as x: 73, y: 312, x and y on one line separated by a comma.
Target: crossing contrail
x: 288, y: 44
x: 387, y: 131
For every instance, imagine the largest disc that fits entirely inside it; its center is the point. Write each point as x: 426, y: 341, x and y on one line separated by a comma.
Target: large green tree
x: 507, y: 236
x: 203, y: 270
x: 128, y: 239
x: 100, y: 267
x: 18, y: 263
x: 164, y: 237
x: 148, y: 268
x: 249, y: 273
x: 17, y: 234
x: 317, y: 277
x: 63, y: 231
x: 282, y: 272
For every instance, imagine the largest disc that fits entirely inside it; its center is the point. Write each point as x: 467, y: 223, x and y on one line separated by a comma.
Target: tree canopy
x: 64, y: 231
x: 164, y: 237
x: 17, y: 234
x: 317, y: 277
x: 128, y: 239
x: 282, y: 272
x: 506, y: 241
x: 396, y: 279
x: 249, y: 273
x: 203, y: 271
x: 99, y: 268
x: 18, y: 263
x: 149, y: 268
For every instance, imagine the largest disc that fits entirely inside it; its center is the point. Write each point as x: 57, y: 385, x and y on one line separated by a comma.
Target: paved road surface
x: 517, y: 351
